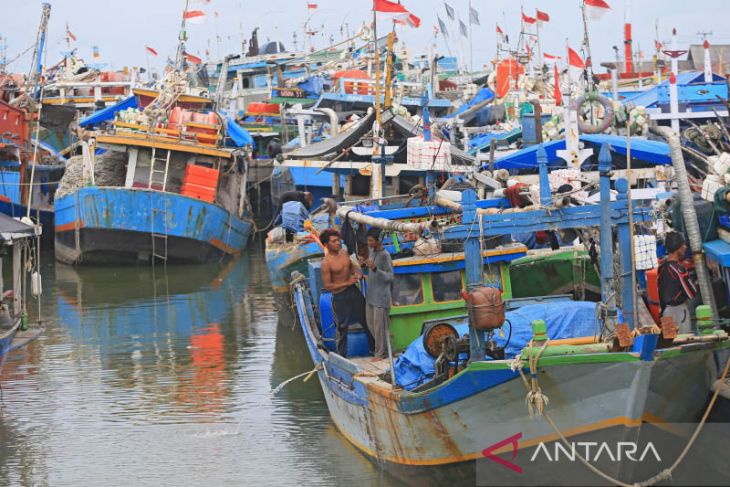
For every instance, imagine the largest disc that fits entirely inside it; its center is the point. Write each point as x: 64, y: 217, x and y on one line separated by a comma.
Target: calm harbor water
x: 164, y: 378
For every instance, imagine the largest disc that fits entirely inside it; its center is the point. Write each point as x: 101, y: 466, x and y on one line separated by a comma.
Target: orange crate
x: 198, y: 192
x: 201, y: 176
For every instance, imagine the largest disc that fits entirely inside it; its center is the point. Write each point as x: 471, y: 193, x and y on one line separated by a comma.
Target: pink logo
x: 512, y: 440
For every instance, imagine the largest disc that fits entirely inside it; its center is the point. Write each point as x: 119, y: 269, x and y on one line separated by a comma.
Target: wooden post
x: 606, y: 239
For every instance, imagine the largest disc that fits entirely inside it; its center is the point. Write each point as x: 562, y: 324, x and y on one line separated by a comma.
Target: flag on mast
x: 193, y: 59
x: 395, y: 12
x: 574, y: 59
x: 151, y: 50
x: 442, y: 26
x: 576, y: 66
x: 527, y: 19
x: 450, y: 11
x: 194, y: 16
x: 70, y: 34
x: 473, y: 16
x: 596, y: 9
x: 550, y: 57
x: 499, y: 30
x: 462, y: 29
x: 542, y: 16
x: 311, y: 6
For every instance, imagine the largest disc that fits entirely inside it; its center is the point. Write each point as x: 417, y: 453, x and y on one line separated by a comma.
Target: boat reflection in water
x: 164, y: 337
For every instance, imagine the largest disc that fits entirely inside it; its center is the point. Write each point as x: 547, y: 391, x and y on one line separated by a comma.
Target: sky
x: 122, y: 28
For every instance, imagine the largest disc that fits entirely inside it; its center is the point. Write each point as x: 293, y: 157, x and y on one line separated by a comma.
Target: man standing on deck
x: 380, y: 278
x: 339, y: 275
x: 677, y: 289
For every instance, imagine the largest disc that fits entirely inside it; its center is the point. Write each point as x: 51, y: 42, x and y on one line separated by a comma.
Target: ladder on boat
x: 159, y: 240
x: 159, y: 167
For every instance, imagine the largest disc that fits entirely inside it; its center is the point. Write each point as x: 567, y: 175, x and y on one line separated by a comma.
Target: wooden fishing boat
x: 13, y: 235
x: 175, y: 189
x: 466, y: 417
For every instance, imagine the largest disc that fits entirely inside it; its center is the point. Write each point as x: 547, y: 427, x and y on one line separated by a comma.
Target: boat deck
x: 366, y: 364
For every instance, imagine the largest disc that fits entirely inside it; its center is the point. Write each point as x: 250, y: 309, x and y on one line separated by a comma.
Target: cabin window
x: 407, y: 289
x: 360, y: 185
x: 446, y: 286
x: 406, y: 183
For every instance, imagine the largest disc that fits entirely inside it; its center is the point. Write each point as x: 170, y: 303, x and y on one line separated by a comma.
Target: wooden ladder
x: 156, y: 172
x: 159, y: 240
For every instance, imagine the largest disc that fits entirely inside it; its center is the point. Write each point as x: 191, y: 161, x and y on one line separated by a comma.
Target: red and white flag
x: 311, y: 6
x: 550, y: 57
x: 194, y: 16
x: 576, y: 66
x: 193, y: 59
x: 596, y: 9
x: 151, y: 50
x: 396, y: 12
x: 658, y: 45
x: 527, y: 19
x: 574, y: 59
x: 542, y: 16
x: 70, y: 34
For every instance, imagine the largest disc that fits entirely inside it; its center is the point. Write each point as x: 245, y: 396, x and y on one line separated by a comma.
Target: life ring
x: 608, y: 114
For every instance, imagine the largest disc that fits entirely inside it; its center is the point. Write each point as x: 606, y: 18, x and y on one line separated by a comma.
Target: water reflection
x: 165, y: 378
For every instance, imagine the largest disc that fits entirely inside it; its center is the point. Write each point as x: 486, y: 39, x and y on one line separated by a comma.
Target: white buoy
x: 36, y: 284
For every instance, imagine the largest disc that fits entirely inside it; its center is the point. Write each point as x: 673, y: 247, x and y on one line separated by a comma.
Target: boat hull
x: 447, y: 428
x: 10, y: 202
x: 120, y: 225
x: 6, y: 341
x: 283, y: 259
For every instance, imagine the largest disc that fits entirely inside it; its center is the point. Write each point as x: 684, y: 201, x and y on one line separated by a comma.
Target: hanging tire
x: 608, y: 115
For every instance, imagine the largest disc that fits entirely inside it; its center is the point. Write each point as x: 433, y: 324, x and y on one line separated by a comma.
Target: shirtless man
x: 339, y: 275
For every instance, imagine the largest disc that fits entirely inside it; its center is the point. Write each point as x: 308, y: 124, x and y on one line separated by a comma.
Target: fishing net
x: 109, y: 170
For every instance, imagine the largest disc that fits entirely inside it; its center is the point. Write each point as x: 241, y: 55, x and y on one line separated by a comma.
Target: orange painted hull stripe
x: 69, y: 226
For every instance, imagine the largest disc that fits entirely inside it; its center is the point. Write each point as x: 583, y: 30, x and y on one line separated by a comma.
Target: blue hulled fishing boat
x: 461, y: 397
x: 163, y: 176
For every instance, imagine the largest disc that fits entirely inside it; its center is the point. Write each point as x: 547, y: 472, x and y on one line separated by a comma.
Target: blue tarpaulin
x: 649, y: 151
x: 310, y: 176
x: 482, y: 95
x: 652, y: 151
x: 238, y: 134
x: 482, y: 141
x: 313, y: 86
x: 564, y: 320
x: 108, y: 112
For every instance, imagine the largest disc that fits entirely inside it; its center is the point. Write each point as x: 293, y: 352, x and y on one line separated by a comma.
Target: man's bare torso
x: 339, y: 267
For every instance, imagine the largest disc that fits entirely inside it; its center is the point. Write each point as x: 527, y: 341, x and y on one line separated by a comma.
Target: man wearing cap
x: 677, y: 289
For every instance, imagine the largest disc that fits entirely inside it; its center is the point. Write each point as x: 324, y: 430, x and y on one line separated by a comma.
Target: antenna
x: 704, y: 35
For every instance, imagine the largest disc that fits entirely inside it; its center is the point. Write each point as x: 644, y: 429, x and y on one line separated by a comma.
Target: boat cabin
x: 425, y: 288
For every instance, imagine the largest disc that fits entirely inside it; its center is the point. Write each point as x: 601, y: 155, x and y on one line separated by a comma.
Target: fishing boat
x: 169, y: 185
x: 30, y: 162
x: 16, y: 237
x: 459, y: 400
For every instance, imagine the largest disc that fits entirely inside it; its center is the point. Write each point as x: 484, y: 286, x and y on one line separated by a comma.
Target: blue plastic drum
x: 357, y: 339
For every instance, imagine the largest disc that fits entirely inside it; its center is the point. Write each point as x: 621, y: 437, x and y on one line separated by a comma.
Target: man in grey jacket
x: 380, y: 279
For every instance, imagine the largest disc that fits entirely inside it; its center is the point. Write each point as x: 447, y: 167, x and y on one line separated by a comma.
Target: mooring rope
x: 535, y: 400
x: 308, y: 375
